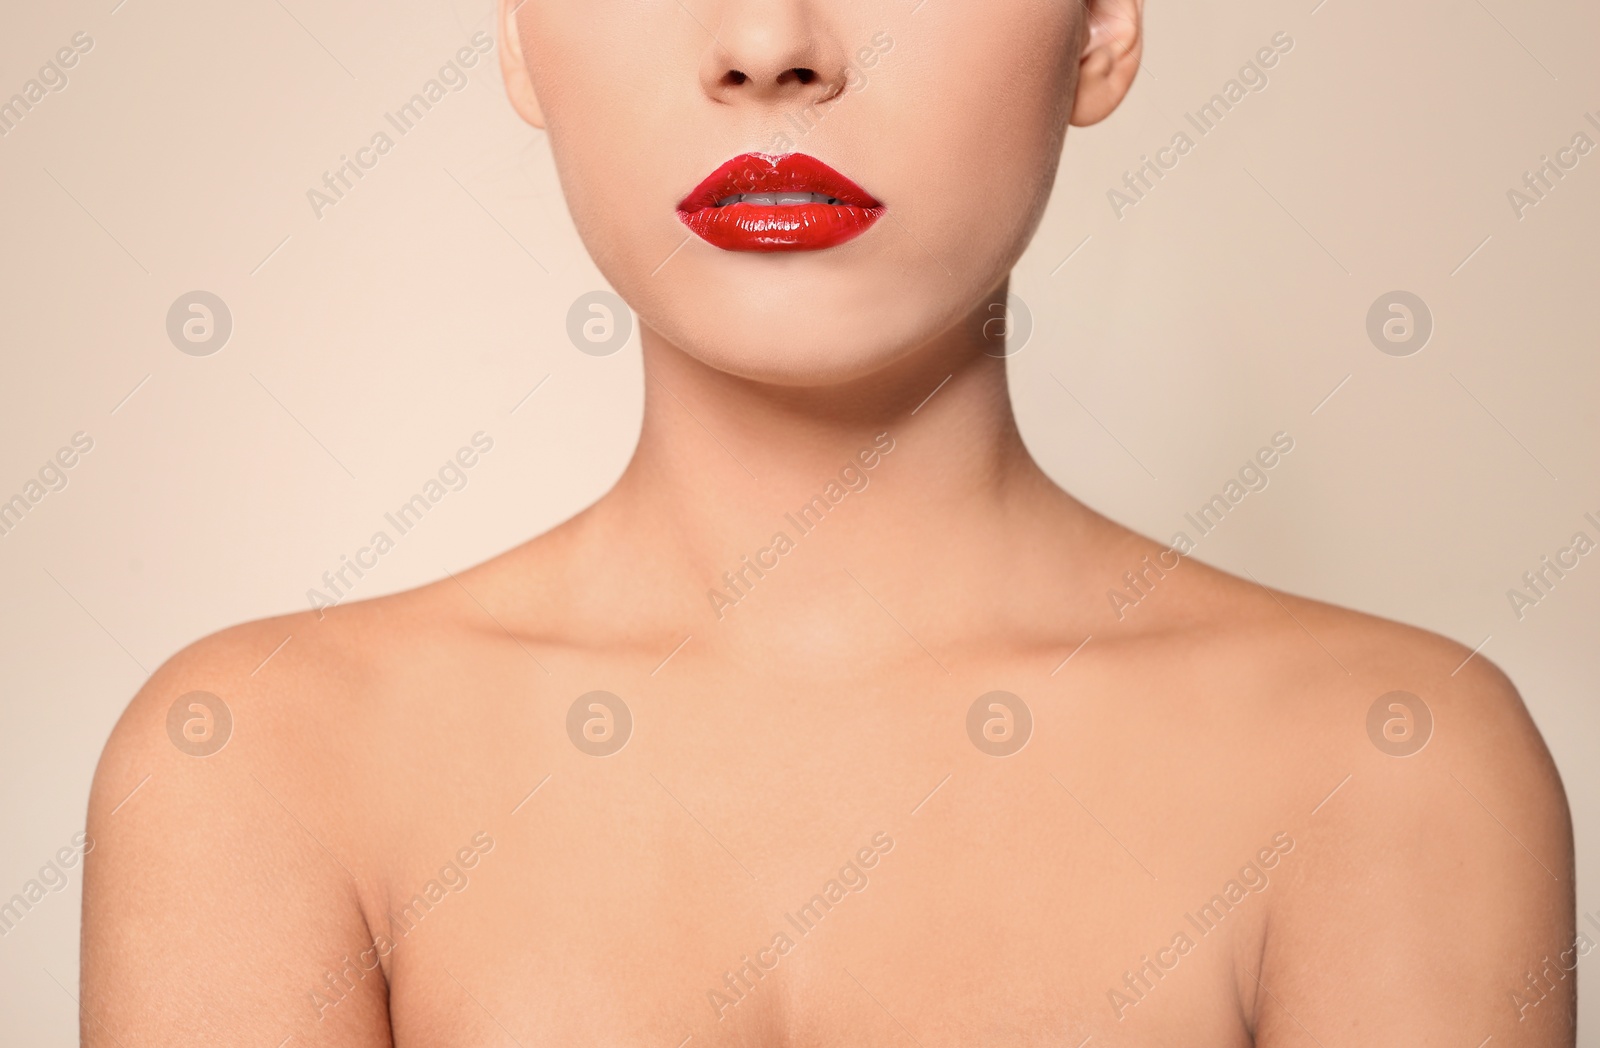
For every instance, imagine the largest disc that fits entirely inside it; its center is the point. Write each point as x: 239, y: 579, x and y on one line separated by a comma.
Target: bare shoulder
x: 1431, y: 821
x: 297, y: 699
x: 1332, y: 670
x: 229, y: 869
x: 1394, y: 696
x: 316, y: 700
x: 248, y: 686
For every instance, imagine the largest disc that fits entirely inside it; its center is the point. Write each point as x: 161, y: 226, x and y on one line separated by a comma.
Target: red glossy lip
x: 845, y: 212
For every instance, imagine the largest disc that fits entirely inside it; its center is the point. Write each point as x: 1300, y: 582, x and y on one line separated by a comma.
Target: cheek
x: 611, y: 124
x: 1000, y: 100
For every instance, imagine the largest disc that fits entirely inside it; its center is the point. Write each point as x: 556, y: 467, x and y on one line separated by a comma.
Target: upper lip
x: 764, y: 173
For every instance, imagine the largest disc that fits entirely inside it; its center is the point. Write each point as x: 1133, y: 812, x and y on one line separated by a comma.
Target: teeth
x: 777, y: 199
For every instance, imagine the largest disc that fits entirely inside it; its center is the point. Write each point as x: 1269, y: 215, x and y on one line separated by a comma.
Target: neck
x: 722, y: 459
x: 755, y: 513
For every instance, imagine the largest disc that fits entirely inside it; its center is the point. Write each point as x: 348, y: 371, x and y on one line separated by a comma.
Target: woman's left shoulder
x: 1365, y: 691
x: 1419, y: 789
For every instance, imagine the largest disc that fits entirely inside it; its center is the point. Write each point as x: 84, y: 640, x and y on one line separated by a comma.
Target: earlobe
x: 1113, y: 42
x: 514, y: 68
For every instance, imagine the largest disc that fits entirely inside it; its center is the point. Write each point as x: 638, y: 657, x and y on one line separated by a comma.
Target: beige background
x: 369, y: 344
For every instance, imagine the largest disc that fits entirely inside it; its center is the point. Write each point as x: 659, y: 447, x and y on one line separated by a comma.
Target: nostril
x: 795, y: 75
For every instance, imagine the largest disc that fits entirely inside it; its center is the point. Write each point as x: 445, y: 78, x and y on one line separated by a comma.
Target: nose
x: 773, y: 52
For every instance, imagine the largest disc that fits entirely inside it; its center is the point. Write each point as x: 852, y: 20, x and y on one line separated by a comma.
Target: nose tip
x: 773, y: 52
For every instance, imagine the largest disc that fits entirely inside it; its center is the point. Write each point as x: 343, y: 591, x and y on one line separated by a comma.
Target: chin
x: 813, y: 318
x: 795, y: 323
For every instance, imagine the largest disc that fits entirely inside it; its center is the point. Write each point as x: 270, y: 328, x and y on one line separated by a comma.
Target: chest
x: 671, y: 920
x: 814, y: 873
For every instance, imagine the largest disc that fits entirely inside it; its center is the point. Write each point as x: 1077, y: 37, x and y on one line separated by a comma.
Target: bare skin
x: 1200, y: 843
x: 773, y: 746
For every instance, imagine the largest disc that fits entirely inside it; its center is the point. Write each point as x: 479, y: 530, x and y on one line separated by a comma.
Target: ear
x: 513, y: 68
x: 1110, y: 58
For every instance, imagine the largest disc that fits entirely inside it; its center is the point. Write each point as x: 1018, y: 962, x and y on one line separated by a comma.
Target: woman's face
x: 938, y: 125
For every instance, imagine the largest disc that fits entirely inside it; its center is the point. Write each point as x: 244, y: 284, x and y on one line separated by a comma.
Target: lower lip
x: 791, y: 227
x: 780, y: 227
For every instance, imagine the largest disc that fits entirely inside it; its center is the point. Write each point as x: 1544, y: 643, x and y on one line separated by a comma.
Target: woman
x: 821, y: 728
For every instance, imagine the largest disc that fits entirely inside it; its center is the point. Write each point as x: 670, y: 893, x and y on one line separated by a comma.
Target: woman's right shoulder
x: 222, y: 807
x: 286, y: 694
x: 288, y: 660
